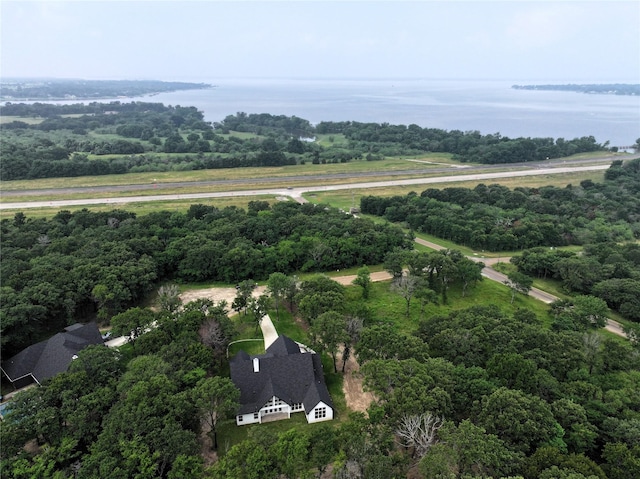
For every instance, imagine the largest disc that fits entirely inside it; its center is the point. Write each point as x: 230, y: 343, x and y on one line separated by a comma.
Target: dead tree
x: 419, y: 431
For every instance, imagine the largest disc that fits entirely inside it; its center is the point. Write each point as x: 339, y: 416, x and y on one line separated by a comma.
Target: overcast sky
x: 588, y: 41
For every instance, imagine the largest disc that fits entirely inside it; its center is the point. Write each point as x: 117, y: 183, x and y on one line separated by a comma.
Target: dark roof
x: 284, y: 372
x: 48, y: 358
x: 283, y: 346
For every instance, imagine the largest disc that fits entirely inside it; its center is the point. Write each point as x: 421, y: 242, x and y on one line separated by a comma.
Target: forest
x: 45, y: 141
x: 76, y: 265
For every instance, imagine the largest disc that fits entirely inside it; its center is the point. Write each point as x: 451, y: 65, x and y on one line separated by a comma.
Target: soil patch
x: 216, y: 294
x: 356, y: 398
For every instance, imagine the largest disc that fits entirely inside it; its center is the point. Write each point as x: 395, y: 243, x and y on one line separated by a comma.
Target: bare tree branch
x: 419, y: 431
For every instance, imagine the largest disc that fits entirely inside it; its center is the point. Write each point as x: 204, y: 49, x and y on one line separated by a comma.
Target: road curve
x: 490, y: 273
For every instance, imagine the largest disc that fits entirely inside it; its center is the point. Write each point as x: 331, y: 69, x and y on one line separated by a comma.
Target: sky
x: 581, y: 41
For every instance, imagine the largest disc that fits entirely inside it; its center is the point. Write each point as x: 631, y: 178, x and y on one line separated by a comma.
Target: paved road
x: 296, y: 193
x: 317, y: 178
x: 543, y: 296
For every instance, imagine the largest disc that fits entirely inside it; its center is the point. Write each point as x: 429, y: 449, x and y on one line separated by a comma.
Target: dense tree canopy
x: 76, y: 263
x: 495, y: 218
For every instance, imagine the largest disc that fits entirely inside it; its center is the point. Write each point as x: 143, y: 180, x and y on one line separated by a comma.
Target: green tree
x: 277, y: 285
x: 132, y: 323
x: 329, y: 331
x: 217, y: 398
x: 394, y: 263
x: 245, y: 460
x: 245, y: 290
x: 579, y: 313
x: 469, y: 450
x: 622, y: 461
x: 291, y: 452
x: 518, y: 283
x: 521, y: 420
x: 363, y: 279
x: 259, y: 307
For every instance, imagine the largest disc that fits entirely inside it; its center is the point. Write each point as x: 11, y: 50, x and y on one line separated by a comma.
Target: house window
x: 240, y: 418
x: 320, y: 413
x: 296, y: 406
x: 255, y: 415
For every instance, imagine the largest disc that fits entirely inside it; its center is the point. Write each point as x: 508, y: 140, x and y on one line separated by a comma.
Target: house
x: 45, y: 359
x: 287, y: 379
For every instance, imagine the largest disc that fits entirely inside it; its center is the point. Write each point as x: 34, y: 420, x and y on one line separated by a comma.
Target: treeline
x: 263, y: 123
x: 469, y: 146
x: 87, y: 89
x: 496, y: 218
x: 74, y: 264
x: 608, y: 271
x: 46, y: 140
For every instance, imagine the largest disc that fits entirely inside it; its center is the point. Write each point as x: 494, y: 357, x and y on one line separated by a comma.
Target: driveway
x: 269, y: 332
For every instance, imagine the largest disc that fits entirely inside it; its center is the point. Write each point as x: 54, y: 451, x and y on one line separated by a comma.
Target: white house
x: 283, y: 381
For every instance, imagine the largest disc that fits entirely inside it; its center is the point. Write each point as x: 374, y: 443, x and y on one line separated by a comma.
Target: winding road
x: 490, y: 273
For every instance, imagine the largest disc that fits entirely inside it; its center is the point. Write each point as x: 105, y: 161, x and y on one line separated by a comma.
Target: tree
x: 353, y: 327
x: 523, y: 421
x: 259, y: 307
x: 245, y: 290
x: 363, y: 279
x: 419, y: 431
x: 217, y: 329
x: 470, y: 451
x: 329, y: 331
x: 169, y: 297
x: 580, y: 434
x: 245, y: 460
x: 394, y: 262
x: 426, y: 295
x: 622, y: 461
x: 132, y: 323
x: 519, y: 283
x: 277, y: 285
x: 406, y: 286
x: 217, y: 398
x: 468, y: 272
x: 580, y: 313
x: 291, y: 451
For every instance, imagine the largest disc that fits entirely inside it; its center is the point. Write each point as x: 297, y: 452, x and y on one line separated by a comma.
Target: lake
x: 486, y: 106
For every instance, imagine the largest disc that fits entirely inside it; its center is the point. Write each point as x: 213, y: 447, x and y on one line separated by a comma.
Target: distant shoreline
x: 83, y: 90
x: 593, y: 89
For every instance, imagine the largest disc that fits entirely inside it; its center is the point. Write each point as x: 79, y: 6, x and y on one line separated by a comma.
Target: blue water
x: 486, y: 106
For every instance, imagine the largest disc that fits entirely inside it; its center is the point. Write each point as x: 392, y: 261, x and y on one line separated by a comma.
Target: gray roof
x: 48, y: 358
x: 284, y: 372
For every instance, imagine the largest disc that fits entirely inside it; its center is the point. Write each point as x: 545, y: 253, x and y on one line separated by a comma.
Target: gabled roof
x: 48, y: 358
x: 284, y: 372
x: 283, y: 346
